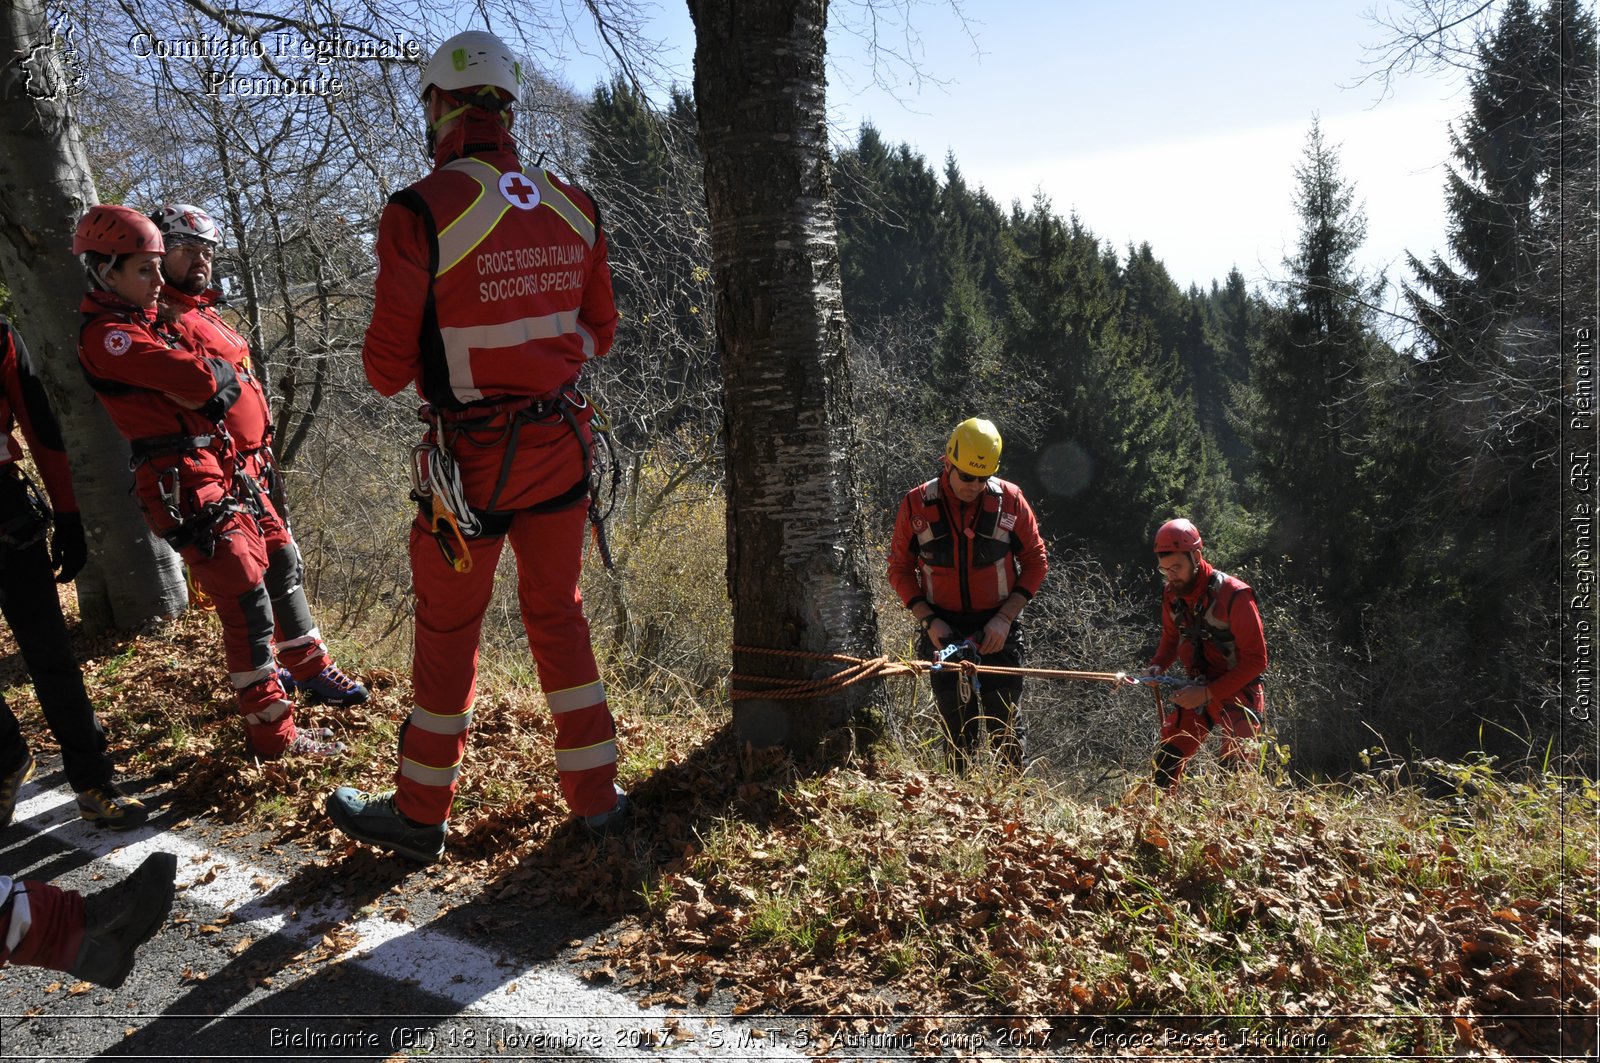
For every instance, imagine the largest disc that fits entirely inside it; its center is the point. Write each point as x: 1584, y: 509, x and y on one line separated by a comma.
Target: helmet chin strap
x: 98, y: 275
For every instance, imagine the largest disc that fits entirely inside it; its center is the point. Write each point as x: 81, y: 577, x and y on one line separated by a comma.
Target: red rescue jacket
x: 167, y: 400
x: 493, y: 282
x: 203, y: 330
x: 965, y: 558
x: 1215, y: 631
x: 23, y: 404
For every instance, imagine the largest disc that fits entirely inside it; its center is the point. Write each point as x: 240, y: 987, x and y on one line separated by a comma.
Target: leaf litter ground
x: 905, y: 912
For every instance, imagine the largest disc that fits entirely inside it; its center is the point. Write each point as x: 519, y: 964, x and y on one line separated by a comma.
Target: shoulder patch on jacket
x: 117, y: 341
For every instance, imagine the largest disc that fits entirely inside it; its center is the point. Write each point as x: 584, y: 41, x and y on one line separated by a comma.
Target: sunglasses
x: 198, y: 248
x: 968, y: 478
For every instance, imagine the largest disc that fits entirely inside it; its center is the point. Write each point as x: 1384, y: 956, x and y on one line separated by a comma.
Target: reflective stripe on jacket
x: 513, y: 293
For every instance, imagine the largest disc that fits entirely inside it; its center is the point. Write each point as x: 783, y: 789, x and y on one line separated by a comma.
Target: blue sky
x: 1176, y: 124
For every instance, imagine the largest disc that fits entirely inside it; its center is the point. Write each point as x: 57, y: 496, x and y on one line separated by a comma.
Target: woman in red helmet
x: 168, y: 401
x: 1209, y: 622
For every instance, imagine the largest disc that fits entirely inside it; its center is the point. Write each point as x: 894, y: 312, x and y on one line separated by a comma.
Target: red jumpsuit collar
x: 475, y: 135
x: 105, y: 302
x: 184, y: 302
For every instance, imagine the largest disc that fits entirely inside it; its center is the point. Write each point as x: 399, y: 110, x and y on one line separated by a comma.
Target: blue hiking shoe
x: 332, y: 687
x: 372, y: 818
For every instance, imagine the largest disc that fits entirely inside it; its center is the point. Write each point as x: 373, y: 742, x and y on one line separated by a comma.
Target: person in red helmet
x: 1209, y: 623
x: 92, y: 938
x: 493, y: 290
x: 966, y: 558
x: 169, y: 401
x: 188, y: 308
x: 29, y: 573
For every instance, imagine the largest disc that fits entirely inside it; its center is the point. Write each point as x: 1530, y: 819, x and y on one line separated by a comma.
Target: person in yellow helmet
x: 966, y: 558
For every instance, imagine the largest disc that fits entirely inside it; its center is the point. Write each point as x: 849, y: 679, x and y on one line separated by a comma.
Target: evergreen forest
x: 1389, y: 482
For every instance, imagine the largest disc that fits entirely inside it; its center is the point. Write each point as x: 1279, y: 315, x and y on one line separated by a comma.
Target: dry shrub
x: 348, y: 499
x: 662, y: 615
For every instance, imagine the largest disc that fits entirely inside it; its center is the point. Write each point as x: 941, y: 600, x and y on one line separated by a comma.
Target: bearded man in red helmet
x: 1209, y: 622
x: 493, y: 291
x: 188, y: 308
x: 169, y: 401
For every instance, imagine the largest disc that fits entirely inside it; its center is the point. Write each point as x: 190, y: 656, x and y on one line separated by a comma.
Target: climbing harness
x: 436, y: 478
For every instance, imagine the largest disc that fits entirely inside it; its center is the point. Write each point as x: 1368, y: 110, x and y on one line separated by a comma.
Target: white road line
x: 546, y: 1005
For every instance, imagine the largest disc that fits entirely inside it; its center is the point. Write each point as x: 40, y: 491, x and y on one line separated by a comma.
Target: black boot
x: 120, y: 919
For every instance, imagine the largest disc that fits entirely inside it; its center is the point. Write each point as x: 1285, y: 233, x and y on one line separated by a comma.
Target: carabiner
x: 447, y: 533
x: 421, y: 469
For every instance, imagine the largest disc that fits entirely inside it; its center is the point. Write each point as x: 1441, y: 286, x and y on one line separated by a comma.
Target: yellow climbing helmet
x: 974, y: 447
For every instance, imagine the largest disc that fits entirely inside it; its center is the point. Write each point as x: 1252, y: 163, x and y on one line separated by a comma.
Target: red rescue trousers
x: 299, y: 643
x: 1184, y: 731
x: 229, y: 563
x: 444, y: 670
x: 56, y: 932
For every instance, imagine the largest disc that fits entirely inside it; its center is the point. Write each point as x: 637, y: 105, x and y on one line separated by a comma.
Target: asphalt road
x: 241, y: 972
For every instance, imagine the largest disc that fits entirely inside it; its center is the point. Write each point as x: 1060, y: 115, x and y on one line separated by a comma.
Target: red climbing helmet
x: 113, y: 230
x: 1178, y: 537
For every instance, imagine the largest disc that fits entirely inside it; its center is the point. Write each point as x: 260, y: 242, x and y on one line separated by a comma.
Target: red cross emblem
x: 519, y: 191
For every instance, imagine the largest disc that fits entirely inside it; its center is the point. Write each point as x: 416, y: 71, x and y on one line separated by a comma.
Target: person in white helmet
x: 188, y: 308
x: 493, y: 290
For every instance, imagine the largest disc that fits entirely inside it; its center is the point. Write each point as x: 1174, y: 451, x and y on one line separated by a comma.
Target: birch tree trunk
x: 45, y: 186
x: 797, y: 570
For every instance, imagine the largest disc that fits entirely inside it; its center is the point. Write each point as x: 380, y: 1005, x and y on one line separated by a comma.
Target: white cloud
x: 1210, y: 202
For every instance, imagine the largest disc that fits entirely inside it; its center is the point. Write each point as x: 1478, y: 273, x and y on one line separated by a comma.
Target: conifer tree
x: 1314, y: 362
x: 1484, y: 412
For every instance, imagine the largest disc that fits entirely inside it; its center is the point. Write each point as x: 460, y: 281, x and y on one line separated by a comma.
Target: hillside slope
x: 908, y: 912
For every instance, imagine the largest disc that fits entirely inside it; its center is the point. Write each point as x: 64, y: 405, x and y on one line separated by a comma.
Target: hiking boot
x: 372, y: 818
x: 333, y: 687
x: 607, y: 824
x: 107, y: 804
x: 10, y: 783
x: 287, y: 681
x: 313, y: 742
x: 120, y: 919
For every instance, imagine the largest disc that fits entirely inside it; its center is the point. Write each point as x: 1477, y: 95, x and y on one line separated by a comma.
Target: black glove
x: 68, y: 551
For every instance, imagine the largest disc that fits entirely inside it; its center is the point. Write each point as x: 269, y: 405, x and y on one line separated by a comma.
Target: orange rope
x: 861, y: 668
